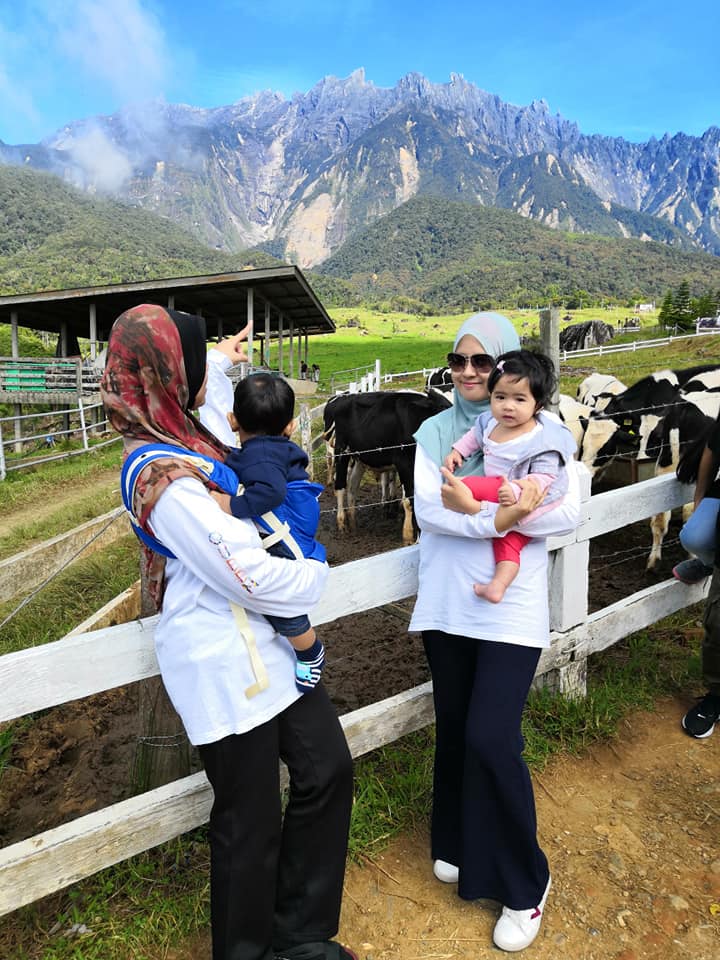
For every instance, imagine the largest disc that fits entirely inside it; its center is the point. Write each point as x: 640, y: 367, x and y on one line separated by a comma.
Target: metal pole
x: 281, y: 321
x: 292, y: 349
x: 250, y: 346
x: 83, y: 428
x: 267, y: 333
x: 3, y: 471
x: 93, y: 331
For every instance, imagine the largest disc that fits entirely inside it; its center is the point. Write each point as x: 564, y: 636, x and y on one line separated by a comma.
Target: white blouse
x: 456, y: 551
x: 203, y: 656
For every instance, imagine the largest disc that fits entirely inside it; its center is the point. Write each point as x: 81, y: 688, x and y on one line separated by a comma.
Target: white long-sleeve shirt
x: 456, y: 551
x: 203, y: 657
x: 213, y: 413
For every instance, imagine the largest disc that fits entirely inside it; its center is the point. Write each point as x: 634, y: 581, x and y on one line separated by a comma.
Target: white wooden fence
x: 80, y: 665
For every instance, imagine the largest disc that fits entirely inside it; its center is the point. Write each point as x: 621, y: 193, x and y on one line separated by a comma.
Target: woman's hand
x: 456, y: 495
x: 531, y: 496
x: 232, y: 346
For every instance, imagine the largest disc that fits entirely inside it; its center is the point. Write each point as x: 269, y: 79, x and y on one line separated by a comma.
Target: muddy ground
x: 632, y: 830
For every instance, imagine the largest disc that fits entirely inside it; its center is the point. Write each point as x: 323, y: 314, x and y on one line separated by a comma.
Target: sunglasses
x: 482, y: 362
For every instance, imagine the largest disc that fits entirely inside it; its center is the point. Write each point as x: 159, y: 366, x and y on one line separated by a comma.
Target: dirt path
x: 632, y: 832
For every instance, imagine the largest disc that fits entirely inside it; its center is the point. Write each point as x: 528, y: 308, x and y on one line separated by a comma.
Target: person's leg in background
x: 700, y: 720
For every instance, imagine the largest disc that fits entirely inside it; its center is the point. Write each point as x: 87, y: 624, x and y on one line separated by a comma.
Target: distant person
x: 517, y: 441
x: 303, y: 370
x: 278, y: 495
x: 316, y: 373
x: 698, y: 534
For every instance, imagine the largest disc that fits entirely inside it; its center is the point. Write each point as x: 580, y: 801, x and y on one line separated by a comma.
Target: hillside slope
x: 454, y: 256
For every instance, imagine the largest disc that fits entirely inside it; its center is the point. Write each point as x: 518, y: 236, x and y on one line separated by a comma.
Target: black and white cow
x: 440, y: 379
x: 376, y: 429
x: 655, y: 419
x: 598, y: 389
x: 623, y: 427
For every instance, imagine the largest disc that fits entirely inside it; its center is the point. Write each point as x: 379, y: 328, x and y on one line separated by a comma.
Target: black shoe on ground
x: 700, y: 721
x: 692, y: 570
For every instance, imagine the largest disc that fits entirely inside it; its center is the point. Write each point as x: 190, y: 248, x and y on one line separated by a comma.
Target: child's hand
x: 453, y: 460
x: 222, y: 500
x: 506, y: 496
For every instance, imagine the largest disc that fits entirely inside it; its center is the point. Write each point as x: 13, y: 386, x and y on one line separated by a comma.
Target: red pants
x: 509, y: 546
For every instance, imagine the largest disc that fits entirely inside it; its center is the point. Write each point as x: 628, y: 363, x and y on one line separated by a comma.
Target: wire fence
x: 36, y: 436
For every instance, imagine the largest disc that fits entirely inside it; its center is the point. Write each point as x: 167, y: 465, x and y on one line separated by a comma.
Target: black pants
x: 483, y: 817
x: 276, y: 881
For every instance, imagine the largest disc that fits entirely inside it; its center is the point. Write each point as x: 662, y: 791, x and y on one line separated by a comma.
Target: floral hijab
x: 155, y: 368
x: 437, y: 435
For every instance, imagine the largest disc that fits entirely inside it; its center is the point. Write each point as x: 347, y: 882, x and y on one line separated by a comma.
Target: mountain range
x: 298, y: 177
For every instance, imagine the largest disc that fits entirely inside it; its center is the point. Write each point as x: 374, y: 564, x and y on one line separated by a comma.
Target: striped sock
x: 309, y: 666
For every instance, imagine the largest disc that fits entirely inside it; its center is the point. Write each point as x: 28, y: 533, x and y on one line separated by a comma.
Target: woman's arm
x: 433, y: 517
x: 225, y: 553
x: 479, y: 521
x: 564, y: 517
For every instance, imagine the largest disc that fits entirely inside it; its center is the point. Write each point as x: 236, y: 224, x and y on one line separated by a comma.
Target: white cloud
x: 116, y: 42
x: 104, y: 166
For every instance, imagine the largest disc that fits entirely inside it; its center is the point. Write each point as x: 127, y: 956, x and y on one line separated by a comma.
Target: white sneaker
x: 447, y: 872
x: 516, y: 929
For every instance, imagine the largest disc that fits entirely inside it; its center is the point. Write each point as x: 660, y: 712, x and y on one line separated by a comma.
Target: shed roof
x: 221, y: 298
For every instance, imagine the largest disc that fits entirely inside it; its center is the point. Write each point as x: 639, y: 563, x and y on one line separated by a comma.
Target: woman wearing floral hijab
x: 482, y: 656
x: 276, y: 879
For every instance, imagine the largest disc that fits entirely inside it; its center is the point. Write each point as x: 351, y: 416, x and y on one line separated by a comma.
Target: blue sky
x: 630, y: 68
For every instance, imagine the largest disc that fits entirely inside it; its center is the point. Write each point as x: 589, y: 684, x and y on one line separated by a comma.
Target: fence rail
x: 81, y: 665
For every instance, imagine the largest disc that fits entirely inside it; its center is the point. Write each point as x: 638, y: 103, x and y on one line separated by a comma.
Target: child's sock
x: 309, y: 666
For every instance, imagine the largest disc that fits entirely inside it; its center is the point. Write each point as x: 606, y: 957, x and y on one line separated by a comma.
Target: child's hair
x: 263, y: 404
x: 518, y: 364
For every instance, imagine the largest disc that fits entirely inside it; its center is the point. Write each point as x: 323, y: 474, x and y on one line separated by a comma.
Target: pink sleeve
x: 468, y: 444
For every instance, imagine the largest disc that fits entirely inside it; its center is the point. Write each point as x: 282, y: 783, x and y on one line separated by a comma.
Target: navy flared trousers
x: 483, y: 817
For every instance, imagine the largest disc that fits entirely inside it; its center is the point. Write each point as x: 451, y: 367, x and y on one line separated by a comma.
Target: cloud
x: 104, y: 167
x: 119, y: 43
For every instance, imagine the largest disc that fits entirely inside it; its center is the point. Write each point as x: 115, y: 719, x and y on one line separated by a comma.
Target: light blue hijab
x: 437, y: 435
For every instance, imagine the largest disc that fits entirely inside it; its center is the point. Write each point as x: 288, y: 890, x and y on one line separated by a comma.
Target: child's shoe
x: 309, y: 666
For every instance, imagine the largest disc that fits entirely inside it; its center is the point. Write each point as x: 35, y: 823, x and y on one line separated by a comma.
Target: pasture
x: 410, y: 342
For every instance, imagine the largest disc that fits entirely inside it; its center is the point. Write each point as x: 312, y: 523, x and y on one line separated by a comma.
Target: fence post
x: 568, y: 596
x: 304, y: 423
x: 377, y: 374
x: 550, y: 333
x: 3, y: 471
x: 83, y: 428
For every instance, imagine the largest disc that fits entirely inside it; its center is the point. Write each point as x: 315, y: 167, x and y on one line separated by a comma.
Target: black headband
x: 192, y: 340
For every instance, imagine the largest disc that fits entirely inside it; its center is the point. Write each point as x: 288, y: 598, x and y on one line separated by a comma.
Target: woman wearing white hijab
x: 482, y: 656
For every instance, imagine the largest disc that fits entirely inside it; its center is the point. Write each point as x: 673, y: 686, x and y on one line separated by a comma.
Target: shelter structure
x: 283, y: 308
x: 280, y: 302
